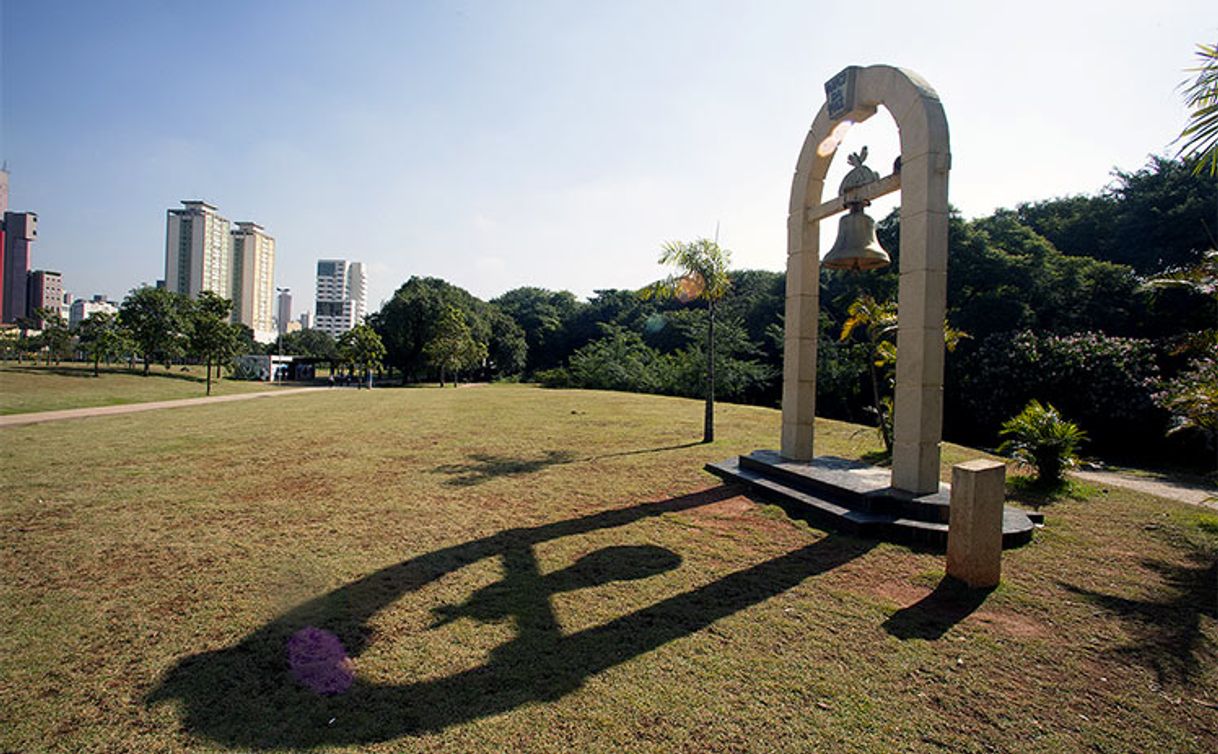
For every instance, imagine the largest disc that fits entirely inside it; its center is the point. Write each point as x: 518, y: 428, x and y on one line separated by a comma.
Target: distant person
x: 331, y: 380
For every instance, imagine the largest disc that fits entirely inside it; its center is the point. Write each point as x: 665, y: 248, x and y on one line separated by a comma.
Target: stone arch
x: 922, y: 293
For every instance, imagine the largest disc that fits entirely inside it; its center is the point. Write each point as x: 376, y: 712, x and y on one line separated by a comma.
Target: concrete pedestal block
x: 974, y: 534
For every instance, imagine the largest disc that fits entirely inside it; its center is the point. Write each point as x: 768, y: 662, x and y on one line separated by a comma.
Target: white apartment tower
x: 341, y: 296
x: 198, y: 254
x: 253, y: 283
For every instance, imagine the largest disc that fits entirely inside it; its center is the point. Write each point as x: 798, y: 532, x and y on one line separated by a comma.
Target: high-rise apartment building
x: 43, y: 290
x: 20, y: 230
x: 198, y: 252
x: 284, y: 315
x: 341, y: 296
x: 253, y: 284
x: 3, y: 211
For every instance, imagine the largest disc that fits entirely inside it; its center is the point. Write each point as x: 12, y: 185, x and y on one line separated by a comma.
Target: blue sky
x: 558, y: 144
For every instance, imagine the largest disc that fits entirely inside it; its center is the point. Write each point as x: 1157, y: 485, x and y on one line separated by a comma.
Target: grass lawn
x: 25, y: 388
x: 516, y: 569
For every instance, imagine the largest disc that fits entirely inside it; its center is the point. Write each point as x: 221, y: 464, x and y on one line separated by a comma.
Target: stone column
x: 799, y: 342
x: 974, y: 534
x: 921, y: 298
x: 803, y: 296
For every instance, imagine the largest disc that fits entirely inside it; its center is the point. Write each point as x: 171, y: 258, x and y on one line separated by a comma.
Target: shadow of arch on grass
x: 245, y: 695
x: 483, y: 467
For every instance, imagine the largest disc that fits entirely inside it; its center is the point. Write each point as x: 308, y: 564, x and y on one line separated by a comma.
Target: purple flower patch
x: 319, y: 662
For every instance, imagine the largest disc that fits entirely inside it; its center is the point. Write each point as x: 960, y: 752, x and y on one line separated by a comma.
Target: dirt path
x: 1192, y: 491
x: 17, y: 420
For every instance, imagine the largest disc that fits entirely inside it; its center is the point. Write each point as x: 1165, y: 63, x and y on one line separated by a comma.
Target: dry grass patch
x: 511, y: 568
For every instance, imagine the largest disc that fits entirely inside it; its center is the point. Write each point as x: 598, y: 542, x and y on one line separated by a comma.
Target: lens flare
x: 829, y: 145
x: 319, y: 662
x: 690, y: 287
x: 654, y: 324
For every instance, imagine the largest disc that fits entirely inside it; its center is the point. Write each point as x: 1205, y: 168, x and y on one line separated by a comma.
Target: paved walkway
x: 17, y: 420
x: 1194, y: 492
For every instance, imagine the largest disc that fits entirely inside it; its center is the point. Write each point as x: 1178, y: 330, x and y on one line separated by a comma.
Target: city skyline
x: 540, y: 144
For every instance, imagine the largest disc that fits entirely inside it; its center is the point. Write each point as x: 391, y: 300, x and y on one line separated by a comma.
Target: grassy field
x: 25, y: 388
x: 512, y: 569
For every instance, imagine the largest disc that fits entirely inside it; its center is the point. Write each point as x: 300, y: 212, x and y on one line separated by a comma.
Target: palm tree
x: 879, y: 320
x: 701, y: 274
x: 1201, y: 94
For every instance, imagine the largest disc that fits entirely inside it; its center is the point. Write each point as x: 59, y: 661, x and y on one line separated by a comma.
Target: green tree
x: 545, y: 317
x: 701, y: 275
x: 317, y: 344
x: 452, y: 346
x: 101, y: 337
x: 246, y: 342
x: 56, y: 338
x: 409, y: 320
x: 158, y: 323
x: 361, y: 347
x: 619, y: 360
x: 1201, y: 135
x: 212, y: 337
x: 507, y: 349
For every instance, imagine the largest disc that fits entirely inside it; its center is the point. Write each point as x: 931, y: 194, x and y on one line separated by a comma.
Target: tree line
x: 158, y: 326
x: 1105, y: 306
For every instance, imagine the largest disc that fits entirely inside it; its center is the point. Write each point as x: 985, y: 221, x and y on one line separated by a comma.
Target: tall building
x: 82, y: 309
x: 341, y: 296
x: 198, y: 253
x: 3, y: 211
x: 43, y: 290
x: 285, y: 310
x: 20, y: 230
x: 253, y: 283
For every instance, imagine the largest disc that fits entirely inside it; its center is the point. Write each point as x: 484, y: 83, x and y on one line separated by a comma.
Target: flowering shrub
x: 1107, y: 384
x: 1192, y: 399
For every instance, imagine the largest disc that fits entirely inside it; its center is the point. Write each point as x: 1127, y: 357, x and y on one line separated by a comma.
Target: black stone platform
x: 857, y: 498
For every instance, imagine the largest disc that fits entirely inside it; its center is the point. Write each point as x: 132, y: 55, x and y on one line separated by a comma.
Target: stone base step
x: 856, y: 498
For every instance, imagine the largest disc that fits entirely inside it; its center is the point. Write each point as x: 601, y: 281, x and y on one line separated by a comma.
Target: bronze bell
x: 856, y: 247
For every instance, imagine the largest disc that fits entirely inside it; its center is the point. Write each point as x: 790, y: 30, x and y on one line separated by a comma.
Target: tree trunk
x: 147, y: 365
x: 209, y: 374
x: 708, y: 423
x: 96, y: 360
x: 879, y: 406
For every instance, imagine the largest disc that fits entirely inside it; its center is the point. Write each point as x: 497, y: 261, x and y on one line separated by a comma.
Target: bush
x: 1192, y: 399
x: 1106, y: 384
x: 1041, y: 438
x: 557, y: 378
